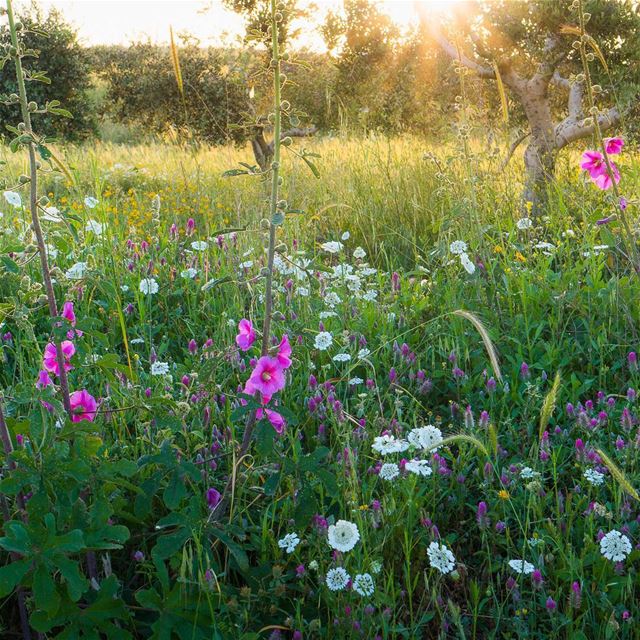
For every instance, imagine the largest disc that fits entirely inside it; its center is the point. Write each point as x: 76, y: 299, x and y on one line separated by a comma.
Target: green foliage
x: 141, y: 86
x: 57, y: 53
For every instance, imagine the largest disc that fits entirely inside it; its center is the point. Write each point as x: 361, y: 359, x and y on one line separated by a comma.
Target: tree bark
x: 541, y: 152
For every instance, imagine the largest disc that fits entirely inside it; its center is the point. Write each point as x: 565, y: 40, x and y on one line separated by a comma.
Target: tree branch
x: 455, y: 54
x: 571, y: 129
x: 552, y: 55
x: 512, y: 149
x: 558, y: 80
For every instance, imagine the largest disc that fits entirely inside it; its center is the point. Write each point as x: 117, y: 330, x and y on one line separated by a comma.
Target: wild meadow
x: 364, y: 393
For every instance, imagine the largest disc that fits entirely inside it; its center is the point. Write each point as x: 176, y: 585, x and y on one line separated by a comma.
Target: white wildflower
x: 77, y: 271
x: 359, y: 253
x: 148, y: 286
x: 594, y: 477
x: 527, y: 473
x: 189, y: 274
x: 91, y: 202
x: 200, y: 245
x: 341, y: 357
x: 331, y: 299
x: 356, y: 380
x: 615, y: 546
x: 13, y: 198
x: 159, y: 368
x: 524, y: 223
x: 337, y: 579
x: 387, y: 444
x: 323, y: 341
x: 343, y: 535
x: 289, y: 542
x: 363, y: 353
x: 95, y: 227
x: 427, y: 437
x: 370, y: 295
x: 389, y: 471
x: 441, y: 558
x: 468, y: 265
x: 458, y: 247
x: 376, y: 567
x: 332, y: 247
x: 52, y: 214
x: 419, y: 467
x: 345, y: 236
x: 522, y: 567
x: 363, y: 584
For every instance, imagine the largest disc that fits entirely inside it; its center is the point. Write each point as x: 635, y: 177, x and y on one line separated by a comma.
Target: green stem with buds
x: 593, y: 111
x: 273, y: 224
x: 33, y: 202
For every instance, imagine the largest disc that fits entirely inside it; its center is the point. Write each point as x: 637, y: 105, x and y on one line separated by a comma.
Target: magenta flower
x: 50, y: 359
x: 246, y: 334
x: 83, y: 406
x: 277, y: 420
x: 213, y: 498
x: 613, y: 145
x: 69, y: 314
x: 594, y: 163
x: 43, y: 379
x: 267, y: 377
x: 284, y: 352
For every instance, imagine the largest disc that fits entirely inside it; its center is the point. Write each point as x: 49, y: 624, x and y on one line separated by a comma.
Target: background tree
x: 527, y: 43
x: 66, y: 63
x: 141, y: 84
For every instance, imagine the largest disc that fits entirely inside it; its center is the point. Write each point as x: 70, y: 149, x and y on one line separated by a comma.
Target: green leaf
x: 10, y: 266
x: 171, y: 543
x: 311, y: 166
x: 306, y: 506
x: 44, y: 590
x: 235, y: 549
x: 175, y: 492
x: 265, y: 437
x: 76, y: 582
x: 17, y: 538
x: 45, y: 154
x: 11, y: 574
x: 71, y: 542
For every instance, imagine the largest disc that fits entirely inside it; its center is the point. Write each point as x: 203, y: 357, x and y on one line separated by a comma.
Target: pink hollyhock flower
x: 284, y: 352
x: 50, y: 359
x: 83, y: 406
x: 267, y: 377
x: 246, y: 334
x: 43, y: 380
x: 594, y: 163
x: 276, y: 420
x: 69, y: 314
x: 603, y: 181
x: 613, y: 145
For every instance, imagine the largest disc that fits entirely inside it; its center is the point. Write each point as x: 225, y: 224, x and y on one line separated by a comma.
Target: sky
x: 120, y: 21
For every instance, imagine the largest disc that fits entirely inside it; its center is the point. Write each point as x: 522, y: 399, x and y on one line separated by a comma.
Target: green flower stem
x: 33, y: 203
x: 629, y: 239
